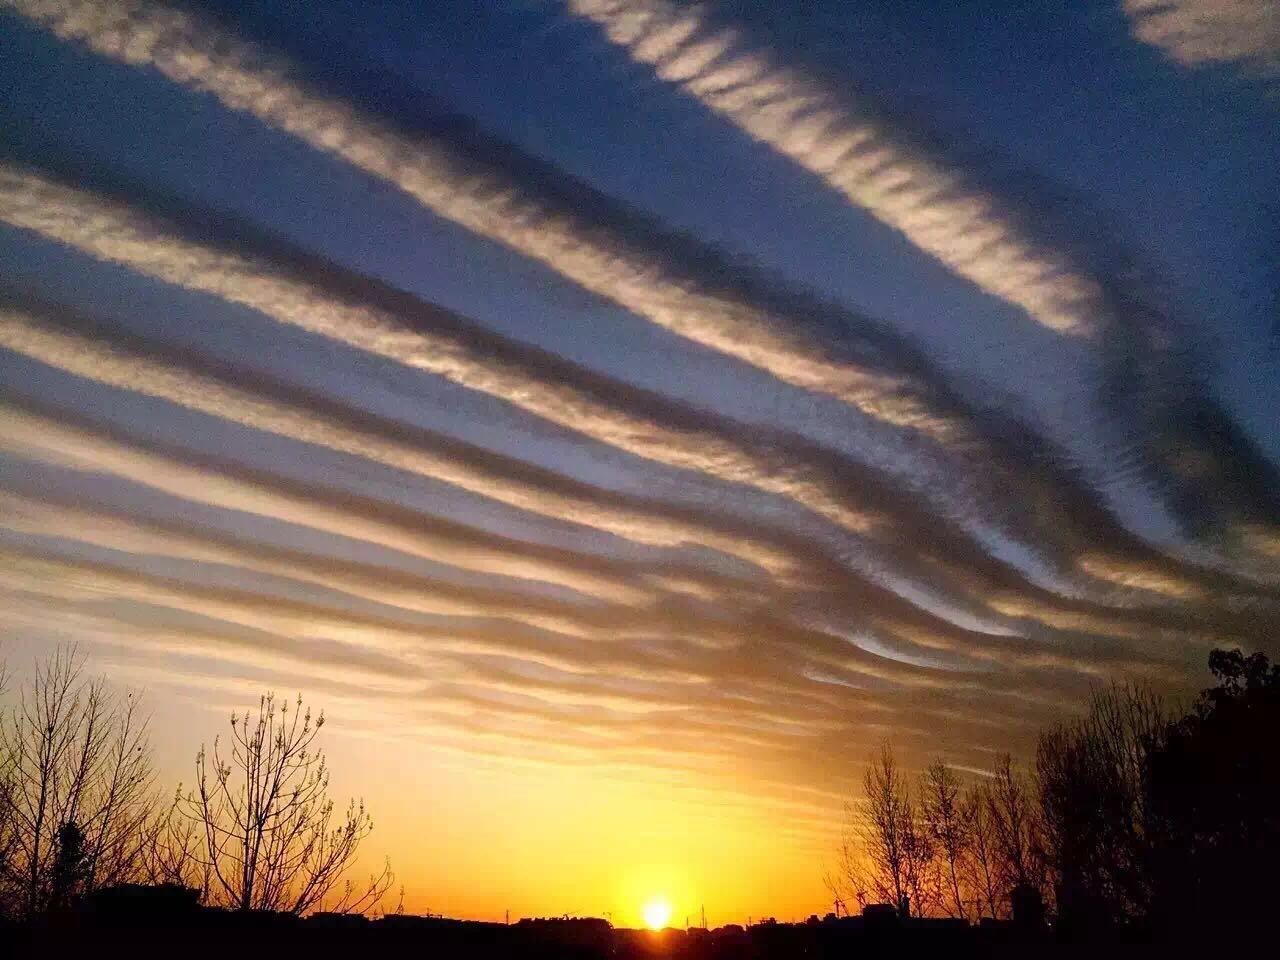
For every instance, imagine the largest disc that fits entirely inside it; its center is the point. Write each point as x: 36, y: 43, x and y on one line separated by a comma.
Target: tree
x: 884, y: 854
x: 982, y: 867
x: 1213, y: 783
x: 1092, y: 779
x: 948, y: 825
x: 69, y: 868
x: 923, y: 889
x: 1014, y: 830
x: 76, y: 755
x: 271, y: 838
x: 1132, y: 819
x: 172, y: 852
x: 8, y: 819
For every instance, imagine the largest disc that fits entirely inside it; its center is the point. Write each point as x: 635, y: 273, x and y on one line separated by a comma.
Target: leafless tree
x: 982, y: 866
x: 924, y: 889
x: 76, y: 756
x: 1013, y: 814
x: 946, y: 821
x: 272, y: 839
x: 8, y: 819
x: 1093, y: 802
x: 882, y: 846
x: 884, y: 854
x: 173, y: 851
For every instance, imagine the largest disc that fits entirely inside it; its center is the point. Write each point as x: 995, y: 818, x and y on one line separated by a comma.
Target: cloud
x: 858, y: 156
x: 402, y: 448
x: 967, y: 573
x: 1197, y: 32
x: 495, y: 191
x: 471, y: 190
x: 67, y: 517
x: 199, y: 478
x: 1064, y: 268
x: 240, y: 265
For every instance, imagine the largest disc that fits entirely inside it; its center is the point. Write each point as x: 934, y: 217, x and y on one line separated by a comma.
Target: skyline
x: 641, y: 412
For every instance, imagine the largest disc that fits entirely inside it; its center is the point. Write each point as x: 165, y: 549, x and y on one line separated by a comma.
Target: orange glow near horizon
x: 485, y: 838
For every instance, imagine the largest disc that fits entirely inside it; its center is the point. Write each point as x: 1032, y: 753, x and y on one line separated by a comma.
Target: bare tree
x: 884, y: 854
x: 946, y: 821
x: 882, y: 846
x: 982, y: 866
x: 1092, y: 778
x: 271, y: 837
x: 173, y: 851
x: 77, y: 756
x: 1015, y: 829
x: 8, y: 817
x: 924, y: 890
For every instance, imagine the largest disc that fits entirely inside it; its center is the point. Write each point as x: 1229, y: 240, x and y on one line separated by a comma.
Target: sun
x: 656, y: 913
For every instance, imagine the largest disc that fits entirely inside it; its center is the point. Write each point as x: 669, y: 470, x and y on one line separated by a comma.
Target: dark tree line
x: 80, y: 811
x: 1131, y: 819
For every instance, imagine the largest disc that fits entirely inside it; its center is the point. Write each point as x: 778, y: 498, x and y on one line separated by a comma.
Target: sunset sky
x: 620, y: 417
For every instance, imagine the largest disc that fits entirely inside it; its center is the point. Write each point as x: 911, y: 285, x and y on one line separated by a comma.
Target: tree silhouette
x: 947, y: 822
x: 70, y: 868
x: 271, y: 837
x: 885, y: 853
x: 1014, y: 828
x: 173, y: 850
x: 983, y: 871
x: 74, y: 756
x: 1092, y: 779
x: 1214, y: 784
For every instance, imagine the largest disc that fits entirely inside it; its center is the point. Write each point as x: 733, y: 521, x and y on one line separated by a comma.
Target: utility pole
x: 704, y: 916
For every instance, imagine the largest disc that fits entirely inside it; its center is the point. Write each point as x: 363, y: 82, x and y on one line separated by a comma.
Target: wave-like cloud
x: 1196, y: 32
x: 203, y: 480
x: 322, y: 298
x: 56, y: 437
x: 537, y: 383
x: 797, y: 658
x: 898, y: 621
x: 856, y: 154
x: 485, y: 187
x: 115, y: 233
x: 413, y: 451
x: 461, y: 187
x: 770, y: 696
x: 71, y: 519
x: 944, y: 210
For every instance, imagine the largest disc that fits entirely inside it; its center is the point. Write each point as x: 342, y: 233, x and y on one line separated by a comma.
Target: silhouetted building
x: 129, y: 903
x: 879, y: 917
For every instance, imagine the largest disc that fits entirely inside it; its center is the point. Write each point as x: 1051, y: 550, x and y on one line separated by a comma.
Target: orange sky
x: 474, y: 838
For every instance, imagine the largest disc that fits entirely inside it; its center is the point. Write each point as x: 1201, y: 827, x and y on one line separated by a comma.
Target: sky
x: 621, y: 417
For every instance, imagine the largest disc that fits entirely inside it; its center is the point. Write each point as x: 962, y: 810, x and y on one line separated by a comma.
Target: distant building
x: 339, y: 921
x: 579, y: 933
x: 880, y: 916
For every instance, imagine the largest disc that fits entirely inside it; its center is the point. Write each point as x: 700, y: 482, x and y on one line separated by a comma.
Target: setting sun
x: 656, y: 913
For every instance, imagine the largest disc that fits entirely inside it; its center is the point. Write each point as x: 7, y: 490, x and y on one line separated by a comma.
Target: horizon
x: 621, y: 418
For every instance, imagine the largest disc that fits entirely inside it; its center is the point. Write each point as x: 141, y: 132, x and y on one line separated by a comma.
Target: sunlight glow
x: 656, y: 913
